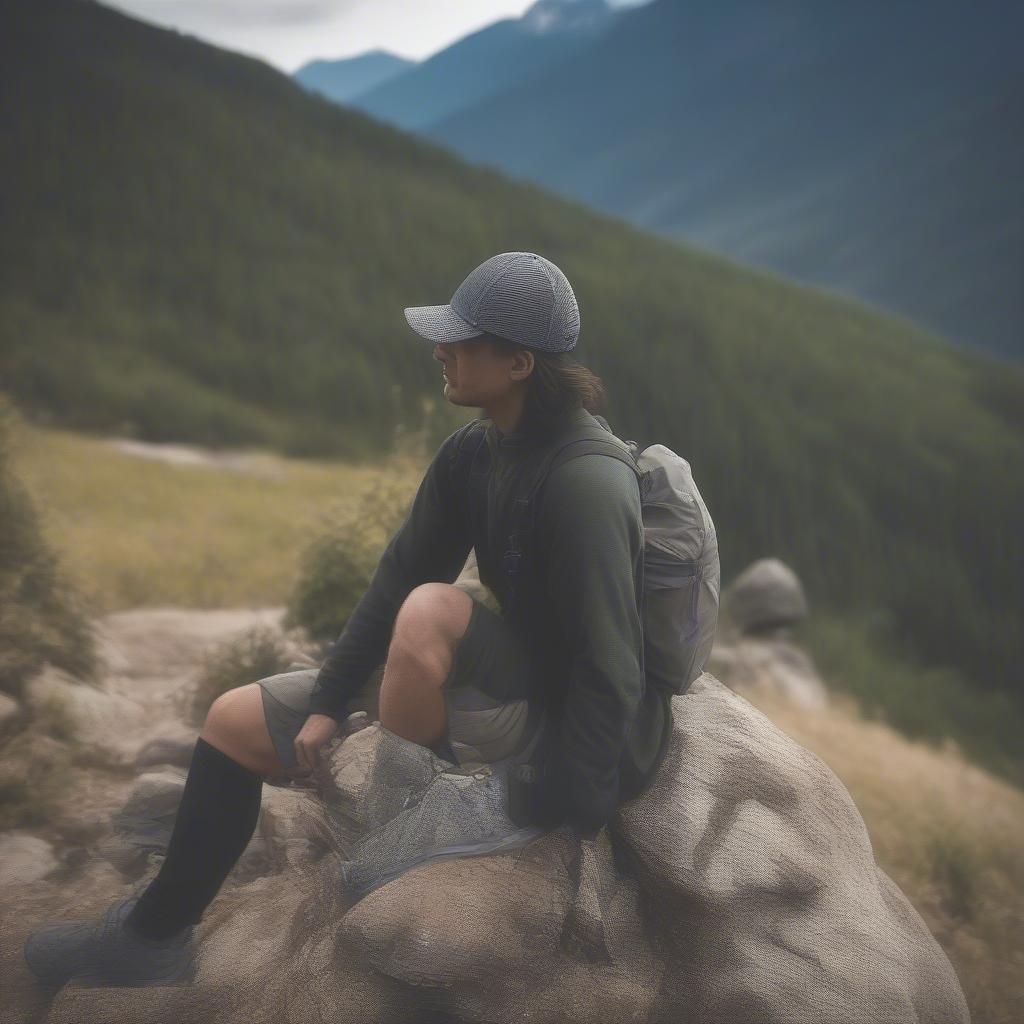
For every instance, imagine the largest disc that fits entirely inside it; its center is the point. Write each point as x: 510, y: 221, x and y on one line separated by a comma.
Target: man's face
x: 477, y: 374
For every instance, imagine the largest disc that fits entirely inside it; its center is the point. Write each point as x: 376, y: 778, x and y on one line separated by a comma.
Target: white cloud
x: 287, y: 33
x: 228, y: 13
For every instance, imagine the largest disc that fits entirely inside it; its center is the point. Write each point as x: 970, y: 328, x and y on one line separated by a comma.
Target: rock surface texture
x: 740, y: 888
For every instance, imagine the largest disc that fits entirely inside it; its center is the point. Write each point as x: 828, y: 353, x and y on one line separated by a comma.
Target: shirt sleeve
x: 592, y: 538
x: 431, y: 545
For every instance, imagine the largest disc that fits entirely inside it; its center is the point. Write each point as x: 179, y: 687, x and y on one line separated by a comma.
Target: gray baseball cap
x: 516, y: 295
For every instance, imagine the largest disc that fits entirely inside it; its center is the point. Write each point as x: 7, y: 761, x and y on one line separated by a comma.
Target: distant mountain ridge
x: 485, y: 63
x: 871, y: 149
x: 339, y: 80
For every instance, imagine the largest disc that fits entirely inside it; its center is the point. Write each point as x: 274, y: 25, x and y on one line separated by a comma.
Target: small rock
x: 767, y: 594
x: 151, y: 807
x: 168, y: 749
x: 81, y: 829
x: 24, y: 858
x: 10, y: 710
x: 143, y: 824
x: 105, y: 724
x: 772, y: 665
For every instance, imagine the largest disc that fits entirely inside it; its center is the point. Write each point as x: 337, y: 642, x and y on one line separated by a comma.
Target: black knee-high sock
x: 216, y: 819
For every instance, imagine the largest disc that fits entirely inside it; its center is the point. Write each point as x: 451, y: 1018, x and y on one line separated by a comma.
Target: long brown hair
x: 557, y: 384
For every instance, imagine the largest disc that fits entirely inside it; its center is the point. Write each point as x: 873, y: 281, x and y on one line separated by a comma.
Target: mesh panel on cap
x: 565, y: 313
x: 522, y: 296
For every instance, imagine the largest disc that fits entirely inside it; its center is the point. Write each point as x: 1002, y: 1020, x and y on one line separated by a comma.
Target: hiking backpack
x: 681, y: 572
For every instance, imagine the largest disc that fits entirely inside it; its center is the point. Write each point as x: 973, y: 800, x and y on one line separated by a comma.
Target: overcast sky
x: 287, y: 33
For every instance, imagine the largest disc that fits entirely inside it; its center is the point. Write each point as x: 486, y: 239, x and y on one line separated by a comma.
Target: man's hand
x: 315, y: 732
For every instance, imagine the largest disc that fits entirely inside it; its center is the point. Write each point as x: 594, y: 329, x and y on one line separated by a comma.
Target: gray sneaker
x: 106, y: 951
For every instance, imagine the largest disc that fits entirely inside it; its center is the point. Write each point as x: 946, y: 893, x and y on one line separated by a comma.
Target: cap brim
x: 440, y: 323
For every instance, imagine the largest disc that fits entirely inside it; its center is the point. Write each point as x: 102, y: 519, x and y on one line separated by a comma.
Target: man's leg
x: 216, y: 817
x: 428, y: 629
x: 147, y: 938
x: 220, y: 804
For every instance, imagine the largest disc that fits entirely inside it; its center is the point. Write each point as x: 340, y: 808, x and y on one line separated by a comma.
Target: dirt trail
x: 150, y: 652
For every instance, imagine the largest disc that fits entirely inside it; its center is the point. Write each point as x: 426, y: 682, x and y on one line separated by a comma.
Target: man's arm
x: 432, y: 544
x: 592, y: 539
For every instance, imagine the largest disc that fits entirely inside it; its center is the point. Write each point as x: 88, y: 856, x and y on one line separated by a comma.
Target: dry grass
x: 948, y: 833
x: 137, y: 532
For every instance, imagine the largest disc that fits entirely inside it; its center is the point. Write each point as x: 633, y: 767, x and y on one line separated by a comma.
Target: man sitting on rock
x: 562, y: 663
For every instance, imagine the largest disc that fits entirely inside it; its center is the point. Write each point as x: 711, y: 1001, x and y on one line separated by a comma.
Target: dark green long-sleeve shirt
x: 580, y: 617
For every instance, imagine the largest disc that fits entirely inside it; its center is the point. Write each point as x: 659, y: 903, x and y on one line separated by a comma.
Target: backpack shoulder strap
x: 588, y: 445
x: 524, y: 508
x: 524, y: 511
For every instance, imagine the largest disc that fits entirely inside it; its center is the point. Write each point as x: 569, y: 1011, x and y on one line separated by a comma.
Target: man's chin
x: 452, y: 395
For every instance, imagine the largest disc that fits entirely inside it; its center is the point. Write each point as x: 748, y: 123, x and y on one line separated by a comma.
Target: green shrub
x: 42, y: 617
x: 338, y: 565
x: 251, y: 655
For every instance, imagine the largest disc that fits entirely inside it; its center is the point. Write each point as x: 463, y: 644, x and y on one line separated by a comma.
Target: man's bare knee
x: 236, y: 725
x: 431, y: 622
x: 428, y: 627
x: 435, y: 609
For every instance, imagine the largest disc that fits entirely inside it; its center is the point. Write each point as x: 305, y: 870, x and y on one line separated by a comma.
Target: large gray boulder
x: 740, y: 887
x: 759, y: 879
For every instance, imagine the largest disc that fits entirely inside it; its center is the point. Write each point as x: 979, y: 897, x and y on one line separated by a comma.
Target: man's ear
x: 524, y: 362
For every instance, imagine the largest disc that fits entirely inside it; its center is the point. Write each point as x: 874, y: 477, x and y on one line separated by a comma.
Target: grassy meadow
x: 134, y: 531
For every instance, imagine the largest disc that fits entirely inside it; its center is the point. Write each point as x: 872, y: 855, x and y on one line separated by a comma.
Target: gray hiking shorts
x: 490, y: 715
